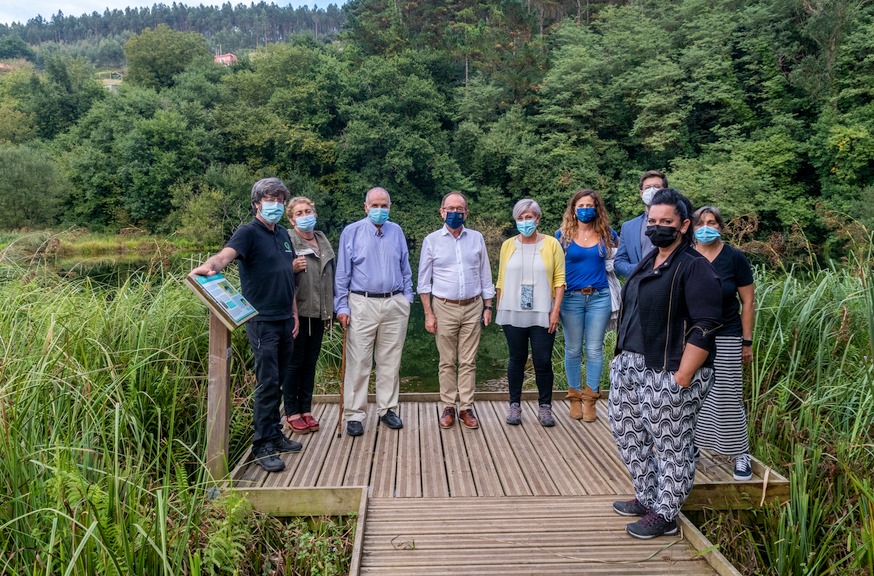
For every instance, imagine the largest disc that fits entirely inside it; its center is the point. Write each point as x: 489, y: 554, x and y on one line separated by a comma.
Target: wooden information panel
x: 222, y: 298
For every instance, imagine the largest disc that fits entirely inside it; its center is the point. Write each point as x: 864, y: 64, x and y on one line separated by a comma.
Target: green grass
x: 102, y: 435
x: 811, y: 405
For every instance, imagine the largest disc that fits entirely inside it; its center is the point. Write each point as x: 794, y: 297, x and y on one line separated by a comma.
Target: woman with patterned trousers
x: 671, y: 307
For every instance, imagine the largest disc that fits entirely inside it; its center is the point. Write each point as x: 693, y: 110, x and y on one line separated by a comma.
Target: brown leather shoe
x: 468, y: 419
x: 448, y: 418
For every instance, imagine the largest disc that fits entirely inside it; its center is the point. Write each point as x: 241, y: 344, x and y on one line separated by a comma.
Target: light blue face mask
x: 305, y: 223
x: 272, y: 211
x: 707, y: 234
x: 378, y: 216
x: 526, y: 227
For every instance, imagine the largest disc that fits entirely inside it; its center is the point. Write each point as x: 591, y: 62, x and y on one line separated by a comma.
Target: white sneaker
x: 742, y: 469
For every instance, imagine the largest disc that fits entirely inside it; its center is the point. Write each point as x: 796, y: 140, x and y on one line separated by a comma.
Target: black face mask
x: 662, y: 236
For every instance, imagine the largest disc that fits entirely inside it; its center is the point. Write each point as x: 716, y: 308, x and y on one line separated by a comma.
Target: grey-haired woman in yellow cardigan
x: 529, y: 290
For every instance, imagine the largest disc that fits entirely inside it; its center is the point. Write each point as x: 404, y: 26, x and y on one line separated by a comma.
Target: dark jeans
x: 271, y: 344
x: 301, y: 377
x: 541, y: 352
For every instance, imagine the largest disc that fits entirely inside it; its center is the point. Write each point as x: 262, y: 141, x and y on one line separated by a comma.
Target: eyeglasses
x: 455, y: 208
x: 272, y: 199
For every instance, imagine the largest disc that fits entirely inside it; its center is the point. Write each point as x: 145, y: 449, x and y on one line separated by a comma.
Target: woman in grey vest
x: 314, y: 267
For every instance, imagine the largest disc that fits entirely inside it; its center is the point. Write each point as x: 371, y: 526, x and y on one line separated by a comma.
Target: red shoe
x: 311, y: 422
x: 298, y: 425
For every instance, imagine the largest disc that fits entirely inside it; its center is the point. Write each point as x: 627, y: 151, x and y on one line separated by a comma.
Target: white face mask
x: 648, y: 194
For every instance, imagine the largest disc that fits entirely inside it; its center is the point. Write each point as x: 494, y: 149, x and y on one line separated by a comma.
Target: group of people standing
x: 682, y: 334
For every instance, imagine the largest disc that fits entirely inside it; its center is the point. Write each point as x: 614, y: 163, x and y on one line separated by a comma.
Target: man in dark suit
x: 633, y: 243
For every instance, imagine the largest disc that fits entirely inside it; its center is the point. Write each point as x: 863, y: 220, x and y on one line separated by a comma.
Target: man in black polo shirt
x: 265, y: 255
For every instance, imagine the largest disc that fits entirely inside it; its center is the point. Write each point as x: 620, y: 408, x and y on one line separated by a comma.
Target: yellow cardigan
x: 551, y: 253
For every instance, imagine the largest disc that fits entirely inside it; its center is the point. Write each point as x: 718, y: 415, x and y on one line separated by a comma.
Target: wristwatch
x: 745, y: 342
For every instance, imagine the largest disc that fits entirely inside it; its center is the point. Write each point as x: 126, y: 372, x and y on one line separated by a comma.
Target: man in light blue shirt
x: 455, y: 284
x: 373, y: 290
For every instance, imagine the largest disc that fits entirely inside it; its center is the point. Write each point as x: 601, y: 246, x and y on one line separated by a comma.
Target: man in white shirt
x: 455, y: 284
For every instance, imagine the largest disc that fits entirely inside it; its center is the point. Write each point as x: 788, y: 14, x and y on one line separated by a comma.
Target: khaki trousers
x: 458, y: 332
x: 377, y: 328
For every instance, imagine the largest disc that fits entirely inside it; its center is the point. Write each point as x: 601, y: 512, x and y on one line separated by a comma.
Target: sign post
x: 218, y: 403
x: 228, y: 310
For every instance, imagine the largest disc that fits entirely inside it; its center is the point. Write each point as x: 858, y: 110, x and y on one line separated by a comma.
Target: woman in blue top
x: 587, y: 238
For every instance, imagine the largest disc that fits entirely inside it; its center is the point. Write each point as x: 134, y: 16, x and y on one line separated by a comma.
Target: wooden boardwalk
x: 500, y: 499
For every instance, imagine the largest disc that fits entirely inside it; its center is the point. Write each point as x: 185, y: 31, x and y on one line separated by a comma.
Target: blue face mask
x: 585, y: 215
x: 378, y: 216
x: 707, y: 234
x: 272, y: 211
x: 454, y: 219
x: 305, y: 223
x: 526, y: 227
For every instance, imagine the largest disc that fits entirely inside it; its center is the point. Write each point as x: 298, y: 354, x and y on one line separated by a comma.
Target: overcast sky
x: 23, y: 10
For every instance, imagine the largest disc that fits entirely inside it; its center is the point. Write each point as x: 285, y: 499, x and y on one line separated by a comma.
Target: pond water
x: 418, y: 370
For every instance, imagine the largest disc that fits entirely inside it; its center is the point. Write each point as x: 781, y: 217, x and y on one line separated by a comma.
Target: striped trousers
x: 652, y: 419
x: 722, y: 422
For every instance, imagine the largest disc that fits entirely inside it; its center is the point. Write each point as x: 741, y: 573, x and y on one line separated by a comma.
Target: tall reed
x: 101, y: 433
x: 811, y: 408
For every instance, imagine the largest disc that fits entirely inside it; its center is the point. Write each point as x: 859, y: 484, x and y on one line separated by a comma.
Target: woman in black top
x: 722, y: 423
x: 671, y: 306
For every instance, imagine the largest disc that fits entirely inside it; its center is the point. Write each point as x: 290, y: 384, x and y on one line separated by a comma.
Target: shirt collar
x: 445, y: 230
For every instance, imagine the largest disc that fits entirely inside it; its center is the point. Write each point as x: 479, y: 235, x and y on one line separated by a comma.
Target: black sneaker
x: 266, y: 457
x: 650, y: 526
x: 284, y: 444
x: 743, y: 471
x: 630, y: 508
x: 391, y: 420
x: 354, y: 428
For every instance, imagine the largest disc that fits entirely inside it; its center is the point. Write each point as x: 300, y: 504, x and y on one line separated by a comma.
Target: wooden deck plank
x: 526, y: 453
x: 337, y: 457
x: 434, y: 482
x: 546, y: 442
x: 409, y: 476
x: 458, y: 469
x: 294, y: 459
x: 385, y: 459
x: 315, y: 452
x: 597, y: 443
x: 588, y: 472
x: 513, y: 482
x: 484, y: 473
x: 560, y: 535
x: 361, y: 454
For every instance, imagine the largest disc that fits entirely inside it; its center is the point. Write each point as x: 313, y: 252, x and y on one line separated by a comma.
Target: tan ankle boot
x: 589, y: 399
x: 576, y: 398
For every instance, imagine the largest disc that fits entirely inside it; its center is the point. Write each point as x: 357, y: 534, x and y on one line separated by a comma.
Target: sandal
x: 311, y: 422
x: 298, y: 425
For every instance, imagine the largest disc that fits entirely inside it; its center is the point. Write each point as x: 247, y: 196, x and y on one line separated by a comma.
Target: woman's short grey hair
x: 269, y: 187
x: 526, y: 205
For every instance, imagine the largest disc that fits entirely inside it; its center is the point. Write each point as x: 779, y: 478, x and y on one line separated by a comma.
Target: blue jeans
x: 584, y: 316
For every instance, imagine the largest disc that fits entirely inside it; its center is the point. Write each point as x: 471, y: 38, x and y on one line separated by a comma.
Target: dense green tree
x: 14, y: 46
x: 156, y: 55
x: 32, y: 189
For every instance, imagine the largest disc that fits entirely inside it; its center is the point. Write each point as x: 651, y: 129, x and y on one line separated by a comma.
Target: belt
x: 376, y: 294
x: 459, y: 302
x: 588, y: 290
